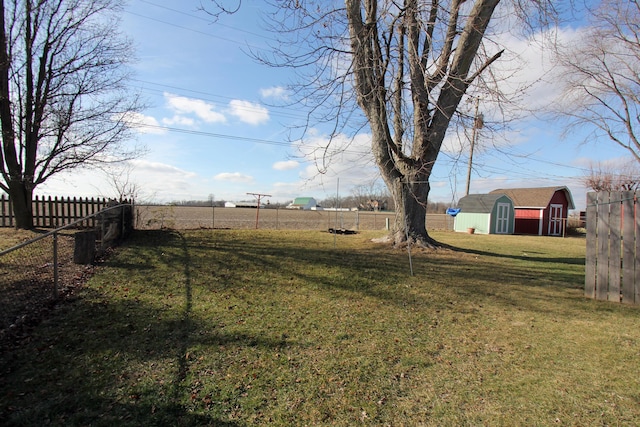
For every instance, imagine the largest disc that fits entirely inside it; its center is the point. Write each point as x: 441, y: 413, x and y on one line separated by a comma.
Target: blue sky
x: 210, y: 128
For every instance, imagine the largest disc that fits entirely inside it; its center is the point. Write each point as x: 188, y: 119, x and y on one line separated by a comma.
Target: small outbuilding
x: 485, y: 214
x: 540, y: 211
x: 303, y: 203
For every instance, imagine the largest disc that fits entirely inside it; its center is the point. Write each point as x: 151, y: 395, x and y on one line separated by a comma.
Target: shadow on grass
x: 107, y: 360
x: 531, y: 281
x: 77, y: 368
x: 380, y: 272
x: 532, y: 257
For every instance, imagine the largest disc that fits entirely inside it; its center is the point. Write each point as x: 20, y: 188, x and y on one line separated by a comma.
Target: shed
x: 486, y: 214
x: 303, y: 203
x: 540, y: 211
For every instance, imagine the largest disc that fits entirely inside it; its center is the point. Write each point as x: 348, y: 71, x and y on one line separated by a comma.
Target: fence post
x: 590, y: 255
x: 636, y: 225
x: 55, y: 265
x: 628, y: 247
x: 3, y: 210
x: 36, y: 213
x: 50, y: 212
x: 613, y: 293
x: 602, y: 257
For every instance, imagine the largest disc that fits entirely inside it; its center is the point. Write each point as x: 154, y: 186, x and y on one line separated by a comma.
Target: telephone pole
x: 478, y: 123
x: 258, y: 196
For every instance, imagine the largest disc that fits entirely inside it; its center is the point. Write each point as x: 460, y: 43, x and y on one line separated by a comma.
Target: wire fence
x: 37, y: 273
x: 195, y: 217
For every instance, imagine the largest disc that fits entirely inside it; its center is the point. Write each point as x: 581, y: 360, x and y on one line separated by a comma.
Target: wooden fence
x: 612, y: 268
x: 55, y: 212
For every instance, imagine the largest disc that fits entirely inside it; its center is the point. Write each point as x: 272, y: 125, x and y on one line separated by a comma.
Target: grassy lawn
x: 251, y: 327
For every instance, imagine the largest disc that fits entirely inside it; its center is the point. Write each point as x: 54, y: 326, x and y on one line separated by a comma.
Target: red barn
x: 540, y: 211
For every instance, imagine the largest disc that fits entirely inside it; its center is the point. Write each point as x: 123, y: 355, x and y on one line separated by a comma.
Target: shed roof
x: 536, y: 197
x: 303, y: 201
x: 479, y: 203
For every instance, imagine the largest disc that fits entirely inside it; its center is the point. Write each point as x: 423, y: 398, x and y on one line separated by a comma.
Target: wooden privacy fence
x: 55, y: 212
x: 612, y: 268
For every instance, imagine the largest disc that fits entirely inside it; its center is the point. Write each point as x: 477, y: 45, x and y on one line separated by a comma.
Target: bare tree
x: 602, y: 76
x: 405, y: 66
x: 604, y: 177
x: 122, y: 186
x: 372, y: 196
x: 63, y: 100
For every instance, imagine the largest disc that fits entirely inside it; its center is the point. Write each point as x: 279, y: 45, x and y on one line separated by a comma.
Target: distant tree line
x: 362, y: 200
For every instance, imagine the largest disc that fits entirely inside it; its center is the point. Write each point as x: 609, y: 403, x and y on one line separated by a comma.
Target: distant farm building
x: 241, y: 205
x: 303, y: 203
x: 373, y: 205
x: 540, y: 211
x: 485, y: 214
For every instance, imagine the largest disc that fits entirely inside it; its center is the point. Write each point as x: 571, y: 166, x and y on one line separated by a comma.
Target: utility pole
x: 478, y: 123
x: 258, y: 196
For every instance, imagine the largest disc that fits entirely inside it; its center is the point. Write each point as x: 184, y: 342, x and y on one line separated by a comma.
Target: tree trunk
x: 21, y: 196
x: 410, y: 198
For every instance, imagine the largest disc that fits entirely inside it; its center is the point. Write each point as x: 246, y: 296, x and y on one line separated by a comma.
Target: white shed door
x: 502, y: 220
x: 555, y: 220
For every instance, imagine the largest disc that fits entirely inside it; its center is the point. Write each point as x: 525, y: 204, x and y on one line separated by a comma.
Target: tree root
x: 399, y: 241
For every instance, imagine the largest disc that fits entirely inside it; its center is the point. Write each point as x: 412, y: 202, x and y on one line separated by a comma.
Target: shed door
x: 555, y: 220
x: 502, y: 220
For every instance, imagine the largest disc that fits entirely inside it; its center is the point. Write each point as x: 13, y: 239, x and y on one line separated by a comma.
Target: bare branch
x: 63, y: 94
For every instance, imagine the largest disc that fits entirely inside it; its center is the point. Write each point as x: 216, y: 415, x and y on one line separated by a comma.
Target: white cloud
x: 528, y: 71
x: 178, y: 120
x: 275, y: 92
x: 248, y: 112
x: 347, y: 160
x: 233, y: 177
x: 286, y: 165
x: 144, y: 124
x: 203, y: 110
x: 153, y: 181
x: 146, y: 167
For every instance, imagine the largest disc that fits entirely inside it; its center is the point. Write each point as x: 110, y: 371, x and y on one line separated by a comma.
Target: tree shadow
x: 66, y: 374
x: 532, y: 256
x: 371, y: 270
x: 87, y: 346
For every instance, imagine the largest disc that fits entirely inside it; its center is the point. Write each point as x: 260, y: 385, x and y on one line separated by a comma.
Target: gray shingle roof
x: 537, y: 197
x: 478, y: 203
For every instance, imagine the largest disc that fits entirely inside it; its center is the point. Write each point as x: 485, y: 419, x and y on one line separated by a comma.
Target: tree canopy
x: 63, y: 99
x: 601, y: 75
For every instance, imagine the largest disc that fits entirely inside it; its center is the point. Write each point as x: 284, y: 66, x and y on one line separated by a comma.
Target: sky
x: 211, y: 131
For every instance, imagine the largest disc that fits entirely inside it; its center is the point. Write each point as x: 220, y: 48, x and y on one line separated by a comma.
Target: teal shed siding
x: 486, y: 213
x: 479, y: 221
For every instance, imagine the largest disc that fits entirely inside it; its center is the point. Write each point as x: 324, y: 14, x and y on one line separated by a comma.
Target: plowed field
x: 189, y: 217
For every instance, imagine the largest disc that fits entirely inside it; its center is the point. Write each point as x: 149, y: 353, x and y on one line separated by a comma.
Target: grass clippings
x: 248, y: 327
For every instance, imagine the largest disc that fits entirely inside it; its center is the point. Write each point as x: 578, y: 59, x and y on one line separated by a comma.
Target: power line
x: 201, y: 18
x: 189, y: 29
x: 214, y: 135
x: 203, y: 33
x: 233, y: 137
x: 279, y: 111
